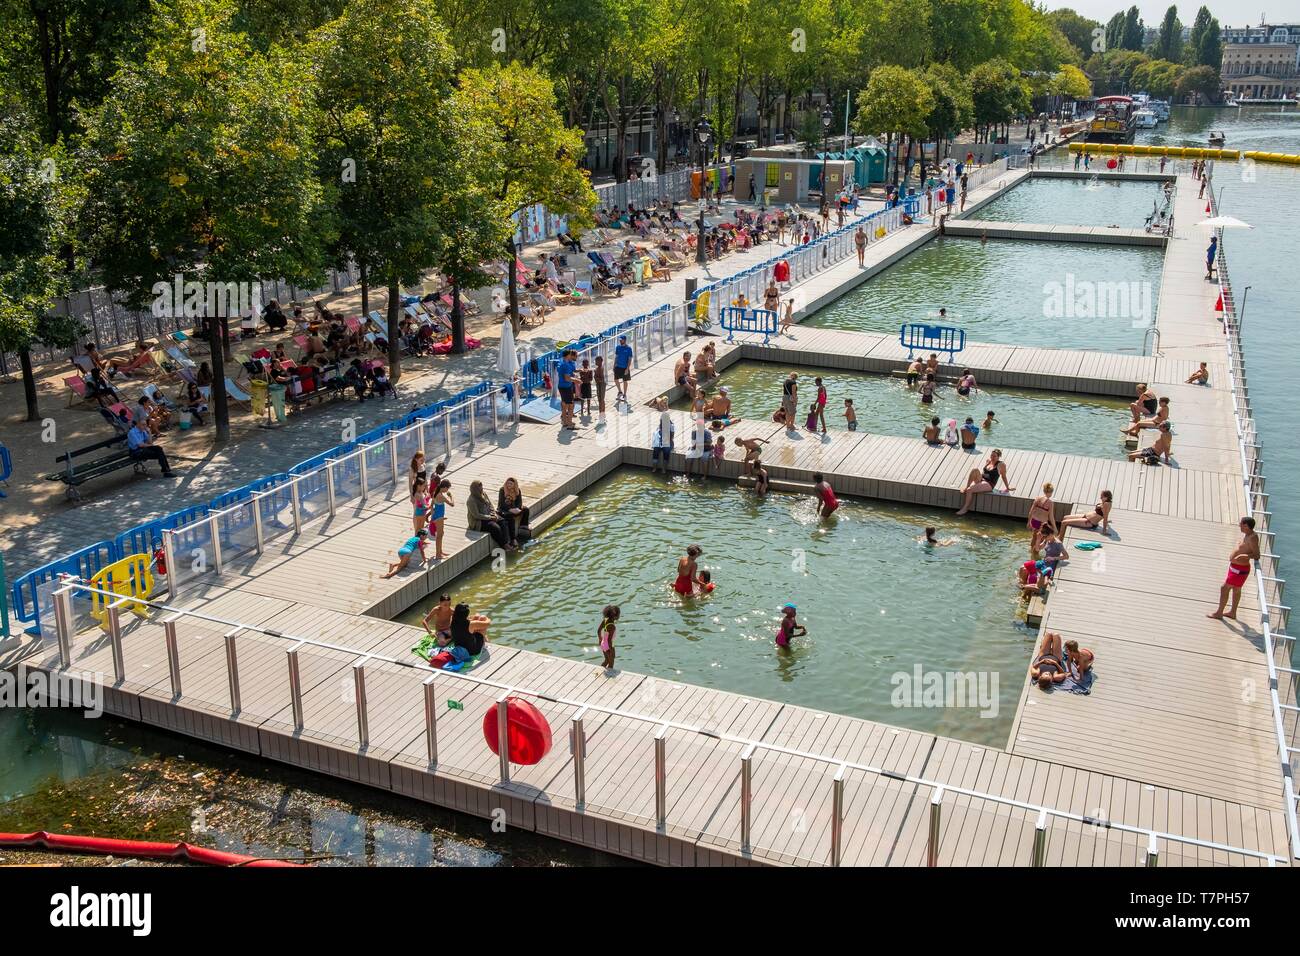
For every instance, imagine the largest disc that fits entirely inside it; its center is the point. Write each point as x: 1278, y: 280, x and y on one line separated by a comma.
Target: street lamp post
x: 827, y: 118
x: 703, y: 133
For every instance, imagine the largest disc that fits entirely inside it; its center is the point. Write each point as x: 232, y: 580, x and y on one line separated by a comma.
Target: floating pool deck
x: 1167, y: 741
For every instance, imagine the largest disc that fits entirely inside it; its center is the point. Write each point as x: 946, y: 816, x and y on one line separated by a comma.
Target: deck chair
x: 353, y: 323
x: 78, y: 390
x: 238, y: 395
x: 179, y: 357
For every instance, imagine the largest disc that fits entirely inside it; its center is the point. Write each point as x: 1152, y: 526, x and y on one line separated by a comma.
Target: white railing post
x: 113, y: 614
x: 578, y: 744
x: 169, y: 557
x: 430, y: 720
x: 363, y: 715
x: 295, y: 686
x: 1040, y: 839
x: 365, y: 477
x: 256, y: 502
x: 837, y: 814
x: 932, y: 844
x: 295, y: 505
x: 503, y: 735
x: 746, y: 795
x: 661, y: 777
x: 1153, y: 851
x: 232, y: 669
x: 392, y: 458
x: 329, y: 487
x: 173, y: 654
x: 215, y: 533
x: 63, y: 618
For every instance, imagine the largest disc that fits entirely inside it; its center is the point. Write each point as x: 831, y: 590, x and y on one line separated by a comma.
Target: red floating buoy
x: 1218, y: 306
x: 1207, y: 208
x: 1111, y: 164
x: 528, y: 734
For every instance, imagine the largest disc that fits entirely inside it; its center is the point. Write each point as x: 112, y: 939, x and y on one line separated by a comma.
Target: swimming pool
x: 1018, y: 292
x: 878, y: 604
x: 1027, y: 419
x: 1076, y: 202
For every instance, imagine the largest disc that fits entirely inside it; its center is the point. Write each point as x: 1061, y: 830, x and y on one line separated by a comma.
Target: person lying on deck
x: 1049, y: 665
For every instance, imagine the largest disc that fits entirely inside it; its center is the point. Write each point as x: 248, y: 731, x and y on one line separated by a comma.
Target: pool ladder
x: 1146, y: 337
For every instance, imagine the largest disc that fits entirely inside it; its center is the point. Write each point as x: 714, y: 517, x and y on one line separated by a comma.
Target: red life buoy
x: 527, y: 732
x: 1111, y: 164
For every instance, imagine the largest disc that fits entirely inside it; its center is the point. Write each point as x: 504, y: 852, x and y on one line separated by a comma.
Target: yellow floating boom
x: 1259, y: 157
x: 1182, y: 152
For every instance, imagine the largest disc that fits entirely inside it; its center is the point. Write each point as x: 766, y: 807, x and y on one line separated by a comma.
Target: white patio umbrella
x: 508, y: 365
x: 1224, y: 222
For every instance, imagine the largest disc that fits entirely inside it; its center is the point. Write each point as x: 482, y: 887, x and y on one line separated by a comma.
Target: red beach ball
x: 1111, y: 164
x: 528, y: 735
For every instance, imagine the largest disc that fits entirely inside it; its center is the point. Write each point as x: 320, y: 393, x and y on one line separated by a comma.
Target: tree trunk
x: 29, y: 385
x: 394, y: 331
x: 512, y: 285
x: 365, y: 288
x: 457, y: 320
x: 217, y: 352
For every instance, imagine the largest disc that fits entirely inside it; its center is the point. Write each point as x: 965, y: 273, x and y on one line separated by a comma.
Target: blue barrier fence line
x: 935, y: 338
x: 90, y: 559
x: 735, y: 320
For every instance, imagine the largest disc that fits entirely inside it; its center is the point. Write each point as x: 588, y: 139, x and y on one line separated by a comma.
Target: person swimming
x: 989, y: 422
x: 967, y: 383
x: 826, y: 500
x: 930, y: 538
x: 687, y: 571
x: 789, y: 628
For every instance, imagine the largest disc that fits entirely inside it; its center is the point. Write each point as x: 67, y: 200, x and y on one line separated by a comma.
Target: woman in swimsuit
x: 982, y: 481
x: 1041, y: 513
x: 687, y: 572
x: 821, y: 403
x: 1161, y: 415
x: 418, y: 470
x: 772, y: 297
x: 1048, y: 667
x: 927, y: 388
x: 1146, y: 402
x: 420, y: 502
x: 441, y: 499
x: 605, y: 635
x: 1098, y: 516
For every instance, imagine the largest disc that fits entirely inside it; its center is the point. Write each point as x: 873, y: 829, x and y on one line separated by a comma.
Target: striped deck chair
x: 78, y: 390
x: 238, y: 395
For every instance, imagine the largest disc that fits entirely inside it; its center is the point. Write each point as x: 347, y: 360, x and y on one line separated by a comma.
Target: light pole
x: 703, y: 133
x: 827, y: 118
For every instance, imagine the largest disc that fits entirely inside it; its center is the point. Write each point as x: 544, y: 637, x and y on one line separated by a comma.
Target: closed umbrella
x: 508, y: 365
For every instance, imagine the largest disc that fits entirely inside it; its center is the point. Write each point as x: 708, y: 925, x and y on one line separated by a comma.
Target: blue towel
x: 1081, y: 686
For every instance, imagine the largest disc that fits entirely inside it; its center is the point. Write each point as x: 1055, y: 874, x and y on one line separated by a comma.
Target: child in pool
x: 929, y: 538
x: 814, y: 411
x: 789, y: 628
x: 605, y: 635
x: 989, y: 420
x: 760, y: 477
x: 705, y: 582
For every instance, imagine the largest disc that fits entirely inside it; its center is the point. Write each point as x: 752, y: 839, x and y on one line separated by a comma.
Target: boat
x: 1161, y: 109
x: 1217, y: 138
x: 1114, y: 121
x: 1146, y: 119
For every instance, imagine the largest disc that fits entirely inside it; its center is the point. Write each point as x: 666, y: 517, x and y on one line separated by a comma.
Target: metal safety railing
x: 656, y: 731
x: 1274, y: 614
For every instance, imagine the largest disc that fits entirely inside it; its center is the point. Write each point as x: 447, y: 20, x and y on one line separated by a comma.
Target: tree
x: 1169, y: 41
x: 1134, y: 30
x: 953, y: 108
x: 1158, y: 77
x: 384, y: 73
x: 1200, y: 81
x: 1071, y: 83
x: 897, y: 102
x: 999, y: 94
x: 34, y: 203
x: 199, y: 160
x: 1077, y: 29
x: 523, y: 154
x: 1205, y: 46
x: 1114, y: 33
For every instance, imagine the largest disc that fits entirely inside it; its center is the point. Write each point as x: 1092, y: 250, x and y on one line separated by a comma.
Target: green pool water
x: 1075, y: 202
x: 876, y: 601
x: 1018, y: 292
x: 1028, y: 419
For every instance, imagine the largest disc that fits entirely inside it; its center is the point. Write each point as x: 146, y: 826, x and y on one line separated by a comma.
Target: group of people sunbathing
x: 1056, y: 661
x: 1150, y: 411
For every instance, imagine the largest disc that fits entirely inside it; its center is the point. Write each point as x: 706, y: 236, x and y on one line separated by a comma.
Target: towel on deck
x: 1081, y: 685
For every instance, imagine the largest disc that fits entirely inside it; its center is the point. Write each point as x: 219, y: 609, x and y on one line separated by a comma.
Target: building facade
x: 1261, y: 62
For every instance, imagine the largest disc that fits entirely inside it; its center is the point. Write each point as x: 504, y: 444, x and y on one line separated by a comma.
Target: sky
x: 1233, y: 13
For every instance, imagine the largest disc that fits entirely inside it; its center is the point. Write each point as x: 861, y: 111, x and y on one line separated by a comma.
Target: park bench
x: 75, y: 474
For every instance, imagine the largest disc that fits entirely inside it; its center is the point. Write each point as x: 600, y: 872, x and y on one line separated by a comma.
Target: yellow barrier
x: 132, y: 577
x: 1180, y: 152
x: 1261, y: 157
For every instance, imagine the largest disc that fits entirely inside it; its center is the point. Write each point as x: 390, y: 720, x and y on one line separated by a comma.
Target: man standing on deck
x: 567, y: 373
x: 1246, y: 551
x: 622, y: 369
x: 1209, y: 258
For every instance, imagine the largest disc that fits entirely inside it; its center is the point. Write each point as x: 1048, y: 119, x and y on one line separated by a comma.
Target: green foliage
x: 1134, y: 30
x: 1202, y: 81
x: 1169, y: 41
x: 1077, y: 29
x: 896, y: 101
x: 1205, y: 46
x: 998, y: 92
x: 1160, y: 78
x: 1071, y: 83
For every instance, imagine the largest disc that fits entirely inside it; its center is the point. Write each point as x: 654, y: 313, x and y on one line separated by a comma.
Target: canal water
x: 1014, y: 292
x: 877, y: 602
x: 1076, y: 202
x: 1028, y: 419
x: 59, y: 771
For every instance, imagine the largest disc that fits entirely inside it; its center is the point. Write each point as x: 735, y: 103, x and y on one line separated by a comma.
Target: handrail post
x: 932, y: 844
x: 1153, y: 851
x: 215, y: 532
x: 113, y: 614
x: 232, y: 669
x: 746, y: 794
x: 503, y: 734
x: 365, y: 477
x: 446, y: 429
x: 256, y: 502
x: 295, y: 686
x: 473, y: 432
x: 296, y: 505
x: 661, y: 776
x: 363, y: 717
x: 837, y: 814
x: 329, y: 487
x: 430, y: 720
x: 173, y: 654
x: 63, y: 624
x: 392, y: 458
x: 1040, y: 839
x: 578, y: 744
x: 169, y: 556
x: 496, y: 416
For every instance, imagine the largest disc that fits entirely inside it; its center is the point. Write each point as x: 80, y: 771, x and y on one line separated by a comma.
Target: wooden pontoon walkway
x: 1167, y: 741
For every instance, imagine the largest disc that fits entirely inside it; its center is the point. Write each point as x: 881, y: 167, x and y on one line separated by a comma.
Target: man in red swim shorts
x: 1246, y: 551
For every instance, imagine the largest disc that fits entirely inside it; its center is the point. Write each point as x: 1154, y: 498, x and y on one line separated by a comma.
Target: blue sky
x: 1235, y: 13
